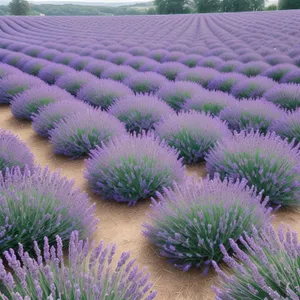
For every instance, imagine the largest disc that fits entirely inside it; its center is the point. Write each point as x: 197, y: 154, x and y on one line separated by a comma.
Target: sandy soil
x: 122, y: 224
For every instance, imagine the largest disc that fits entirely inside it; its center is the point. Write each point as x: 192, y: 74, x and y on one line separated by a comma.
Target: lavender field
x: 150, y: 157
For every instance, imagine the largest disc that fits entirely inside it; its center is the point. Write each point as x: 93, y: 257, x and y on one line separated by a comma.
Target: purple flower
x: 104, y: 93
x: 252, y: 87
x: 118, y: 73
x: 96, y: 277
x: 147, y: 82
x: 133, y: 167
x: 225, y: 81
x: 34, y: 66
x: 265, y: 161
x: 49, y: 205
x: 189, y: 223
x: 173, y: 56
x: 176, y: 93
x: 24, y: 105
x: 229, y: 66
x: 279, y: 71
x: 275, y: 59
x: 73, y: 82
x: 48, y: 54
x: 98, y: 67
x: 77, y: 134
x: 192, y: 133
x: 253, y: 68
x: 257, y: 266
x: 79, y: 63
x: 14, y: 152
x: 15, y: 84
x: 138, y: 50
x: 200, y: 50
x: 33, y: 50
x: 284, y: 95
x: 64, y: 58
x: 119, y: 58
x: 140, y: 112
x: 6, y: 70
x: 47, y: 116
x: 101, y: 54
x: 250, y: 114
x: 210, y: 62
x: 191, y: 60
x: 212, y: 102
x: 250, y: 57
x: 51, y: 72
x: 14, y: 59
x: 158, y: 54
x: 198, y: 75
x: 170, y: 69
x: 291, y: 77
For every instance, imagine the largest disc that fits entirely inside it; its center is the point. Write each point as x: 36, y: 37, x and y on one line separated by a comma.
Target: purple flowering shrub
x: 250, y: 114
x: 15, y: 84
x: 253, y: 68
x: 276, y: 59
x: 212, y: 102
x: 286, y: 96
x: 189, y: 223
x: 34, y: 66
x: 225, y: 81
x: 93, y: 277
x: 13, y: 59
x: 147, y: 82
x: 191, y: 60
x: 48, y: 54
x: 176, y: 93
x: 97, y: 67
x: 52, y: 72
x: 6, y: 70
x: 140, y: 112
x: 24, y: 105
x: 78, y: 63
x: 104, y: 93
x: 118, y: 73
x: 210, y: 62
x: 47, y: 116
x: 291, y: 77
x: 192, y: 133
x: 279, y: 71
x: 158, y: 54
x: 229, y: 66
x: 119, y: 58
x: 73, y: 82
x: 32, y: 50
x: 133, y: 167
x: 170, y: 69
x: 49, y: 205
x: 253, y: 87
x: 264, y: 266
x: 14, y: 152
x: 269, y: 163
x: 64, y: 58
x: 77, y: 134
x: 288, y: 126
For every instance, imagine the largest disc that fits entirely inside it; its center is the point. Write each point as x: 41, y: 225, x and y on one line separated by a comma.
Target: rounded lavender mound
x: 73, y: 82
x: 104, y: 93
x: 98, y: 67
x: 291, y: 77
x: 279, y: 71
x: 78, y: 63
x: 288, y: 126
x: 286, y: 96
x: 269, y: 163
x: 24, y: 105
x: 65, y: 58
x: 198, y: 75
x: 252, y: 87
x: 192, y: 133
x: 34, y: 66
x: 118, y: 73
x: 176, y: 93
x: 170, y: 69
x: 225, y: 81
x: 14, y: 152
x: 251, y: 114
x: 263, y: 266
x: 48, y: 54
x: 77, y: 134
x: 95, y: 276
x: 47, y: 116
x: 6, y: 70
x: 212, y: 102
x: 33, y: 50
x: 146, y: 83
x: 15, y: 84
x: 189, y: 223
x: 49, y: 205
x: 253, y: 68
x: 14, y: 59
x: 210, y: 62
x: 229, y: 66
x: 133, y: 167
x: 52, y: 72
x: 141, y: 112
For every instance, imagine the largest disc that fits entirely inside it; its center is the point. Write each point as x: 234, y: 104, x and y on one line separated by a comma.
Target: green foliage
x: 207, y: 6
x: 151, y: 11
x: 19, y: 7
x: 170, y: 6
x: 272, y: 7
x: 289, y: 4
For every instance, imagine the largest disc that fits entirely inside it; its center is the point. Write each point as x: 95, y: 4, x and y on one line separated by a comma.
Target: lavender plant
x: 133, y: 167
x: 34, y: 66
x: 77, y: 134
x: 48, y: 203
x: 52, y: 72
x: 225, y: 82
x: 190, y: 222
x: 269, y: 163
x: 14, y: 152
x: 291, y: 77
x: 118, y: 73
x: 268, y: 269
x: 98, y: 276
x: 170, y: 69
x: 191, y: 133
x: 279, y: 71
x: 141, y: 112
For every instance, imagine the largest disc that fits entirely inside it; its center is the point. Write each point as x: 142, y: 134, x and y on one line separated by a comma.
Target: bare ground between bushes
x: 122, y: 225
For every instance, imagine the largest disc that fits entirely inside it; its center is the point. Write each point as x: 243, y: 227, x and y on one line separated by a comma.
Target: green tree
x: 242, y: 5
x: 151, y: 11
x: 19, y: 7
x: 289, y: 4
x: 271, y: 7
x: 170, y: 6
x: 207, y: 6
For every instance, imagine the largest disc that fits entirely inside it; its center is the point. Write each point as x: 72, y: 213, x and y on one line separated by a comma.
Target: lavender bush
x: 45, y: 200
x: 190, y: 222
x: 266, y: 161
x: 225, y: 82
x: 291, y: 77
x: 118, y: 73
x: 170, y: 69
x: 77, y: 134
x: 52, y: 72
x: 257, y: 266
x: 279, y: 71
x: 141, y: 112
x: 192, y: 133
x: 133, y: 167
x: 14, y: 152
x: 107, y: 277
